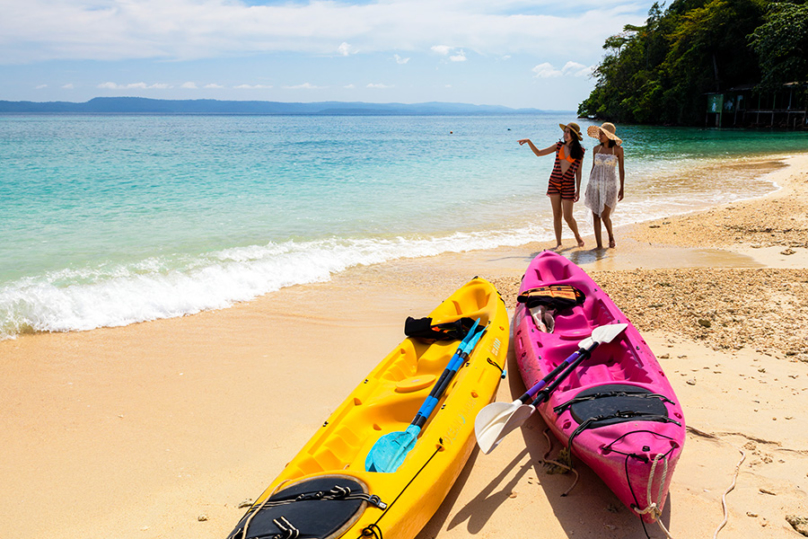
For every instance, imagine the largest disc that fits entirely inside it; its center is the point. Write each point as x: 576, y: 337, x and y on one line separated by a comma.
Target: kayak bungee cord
x: 653, y: 507
x: 373, y: 530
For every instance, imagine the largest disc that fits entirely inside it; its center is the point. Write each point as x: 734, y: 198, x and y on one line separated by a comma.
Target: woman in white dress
x: 602, y: 191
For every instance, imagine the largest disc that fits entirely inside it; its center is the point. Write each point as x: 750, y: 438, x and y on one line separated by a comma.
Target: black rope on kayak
x: 634, y: 455
x: 494, y: 363
x: 664, y: 456
x: 627, y: 414
x: 336, y: 493
x: 373, y: 530
x: 631, y: 489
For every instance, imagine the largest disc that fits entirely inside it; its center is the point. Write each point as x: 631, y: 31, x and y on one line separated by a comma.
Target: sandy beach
x: 163, y: 429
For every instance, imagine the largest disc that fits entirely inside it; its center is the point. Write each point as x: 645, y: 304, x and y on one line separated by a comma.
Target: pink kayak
x: 617, y: 411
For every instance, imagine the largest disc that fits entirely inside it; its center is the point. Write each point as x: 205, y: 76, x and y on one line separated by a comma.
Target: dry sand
x: 161, y: 429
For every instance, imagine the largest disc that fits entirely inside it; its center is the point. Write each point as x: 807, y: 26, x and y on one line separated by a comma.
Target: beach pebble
x: 665, y: 356
x: 751, y: 514
x: 766, y: 491
x: 800, y: 524
x: 512, y: 495
x: 246, y: 503
x: 691, y: 382
x: 788, y: 251
x: 202, y: 518
x: 705, y: 323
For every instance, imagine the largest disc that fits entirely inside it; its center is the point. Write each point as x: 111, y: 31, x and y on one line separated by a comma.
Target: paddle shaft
x: 531, y: 393
x: 445, y: 379
x: 583, y: 354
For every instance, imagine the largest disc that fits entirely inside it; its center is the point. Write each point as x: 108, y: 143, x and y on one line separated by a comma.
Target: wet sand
x: 162, y: 429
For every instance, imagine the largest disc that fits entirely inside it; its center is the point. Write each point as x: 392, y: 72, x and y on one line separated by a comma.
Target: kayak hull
x: 618, y: 407
x: 386, y: 401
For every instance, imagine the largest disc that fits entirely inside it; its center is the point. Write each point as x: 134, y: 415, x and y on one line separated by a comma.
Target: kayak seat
x: 614, y: 403
x: 323, y: 507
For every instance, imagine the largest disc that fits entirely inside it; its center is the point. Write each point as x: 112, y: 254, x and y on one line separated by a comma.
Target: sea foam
x: 88, y: 298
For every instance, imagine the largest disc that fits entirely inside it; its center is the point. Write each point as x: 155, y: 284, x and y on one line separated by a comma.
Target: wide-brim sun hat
x: 607, y: 129
x: 575, y: 128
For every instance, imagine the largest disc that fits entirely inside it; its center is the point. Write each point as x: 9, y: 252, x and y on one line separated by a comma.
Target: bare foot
x: 611, y: 243
x: 557, y: 247
x: 580, y: 242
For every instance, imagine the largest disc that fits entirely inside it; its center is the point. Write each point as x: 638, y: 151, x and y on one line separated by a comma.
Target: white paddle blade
x: 490, y: 434
x: 607, y: 333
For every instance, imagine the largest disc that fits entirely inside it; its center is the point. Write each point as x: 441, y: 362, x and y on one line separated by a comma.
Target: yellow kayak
x: 326, y: 490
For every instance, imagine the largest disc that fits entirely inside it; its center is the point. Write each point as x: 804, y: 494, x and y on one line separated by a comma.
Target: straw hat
x: 607, y: 129
x: 575, y: 128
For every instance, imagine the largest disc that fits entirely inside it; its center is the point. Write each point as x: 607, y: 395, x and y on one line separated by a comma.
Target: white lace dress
x: 602, y: 187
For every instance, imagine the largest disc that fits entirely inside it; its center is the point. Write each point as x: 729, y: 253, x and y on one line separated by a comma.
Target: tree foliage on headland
x: 659, y: 73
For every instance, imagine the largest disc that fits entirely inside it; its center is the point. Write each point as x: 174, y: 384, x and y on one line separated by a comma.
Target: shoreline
x: 116, y: 295
x: 139, y: 431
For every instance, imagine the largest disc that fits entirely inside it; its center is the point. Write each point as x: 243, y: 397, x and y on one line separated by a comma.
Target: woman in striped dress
x: 564, y: 188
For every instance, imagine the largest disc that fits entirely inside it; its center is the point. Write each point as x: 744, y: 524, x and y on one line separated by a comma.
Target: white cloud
x: 570, y: 69
x: 345, y: 49
x: 252, y: 87
x: 40, y: 30
x: 349, y: 87
x: 546, y: 71
x: 134, y: 86
x: 379, y: 85
x: 577, y: 70
x: 459, y: 57
x: 305, y: 86
x: 41, y: 86
x: 400, y: 60
x: 214, y: 86
x: 68, y: 86
x: 189, y: 85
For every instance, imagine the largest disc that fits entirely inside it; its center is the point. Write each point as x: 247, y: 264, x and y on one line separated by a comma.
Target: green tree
x: 781, y: 43
x: 659, y: 72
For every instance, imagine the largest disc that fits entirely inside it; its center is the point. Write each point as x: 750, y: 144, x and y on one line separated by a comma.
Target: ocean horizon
x: 113, y: 220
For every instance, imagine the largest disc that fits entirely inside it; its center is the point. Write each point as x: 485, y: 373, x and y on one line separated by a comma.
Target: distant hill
x: 139, y: 105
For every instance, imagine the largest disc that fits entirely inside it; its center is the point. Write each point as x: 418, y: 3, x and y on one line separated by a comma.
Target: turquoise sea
x: 111, y: 220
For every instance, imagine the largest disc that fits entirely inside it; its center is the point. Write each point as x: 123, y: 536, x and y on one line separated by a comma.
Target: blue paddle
x: 389, y: 451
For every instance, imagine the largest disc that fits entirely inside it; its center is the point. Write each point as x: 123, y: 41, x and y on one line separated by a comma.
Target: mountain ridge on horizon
x: 144, y: 105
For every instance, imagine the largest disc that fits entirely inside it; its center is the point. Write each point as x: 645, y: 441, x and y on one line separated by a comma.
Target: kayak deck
x: 617, y: 411
x: 386, y: 401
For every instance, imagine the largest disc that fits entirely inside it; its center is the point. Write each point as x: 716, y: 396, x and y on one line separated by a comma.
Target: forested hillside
x: 659, y: 73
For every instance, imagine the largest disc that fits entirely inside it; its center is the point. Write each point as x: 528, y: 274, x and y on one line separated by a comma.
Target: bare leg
x: 555, y: 201
x: 567, y: 206
x: 596, y: 226
x: 607, y: 222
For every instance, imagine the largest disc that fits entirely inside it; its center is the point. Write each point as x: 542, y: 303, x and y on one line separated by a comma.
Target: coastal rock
x: 800, y: 524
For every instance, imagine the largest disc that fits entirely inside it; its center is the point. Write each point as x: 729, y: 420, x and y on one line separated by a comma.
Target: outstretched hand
x: 523, y: 141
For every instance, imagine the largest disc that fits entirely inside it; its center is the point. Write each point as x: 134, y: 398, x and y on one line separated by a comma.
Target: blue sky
x: 514, y: 53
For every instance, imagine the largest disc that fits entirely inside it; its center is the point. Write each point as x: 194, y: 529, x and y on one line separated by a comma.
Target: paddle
x: 389, y: 451
x: 498, y: 419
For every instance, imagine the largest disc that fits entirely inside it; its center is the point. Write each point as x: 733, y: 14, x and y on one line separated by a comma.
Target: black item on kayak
x: 423, y: 328
x: 557, y: 297
x: 323, y: 507
x: 615, y: 403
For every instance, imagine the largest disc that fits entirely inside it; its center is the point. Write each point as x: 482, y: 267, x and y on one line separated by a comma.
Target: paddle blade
x: 497, y: 420
x: 389, y: 451
x: 607, y: 333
